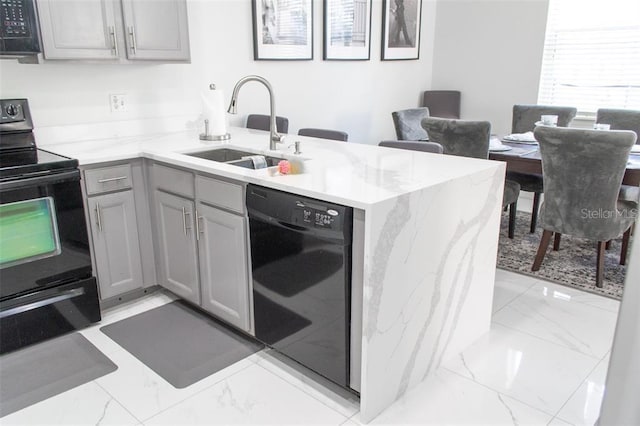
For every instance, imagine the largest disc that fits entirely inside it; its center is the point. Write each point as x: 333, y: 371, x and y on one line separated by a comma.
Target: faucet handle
x: 279, y: 138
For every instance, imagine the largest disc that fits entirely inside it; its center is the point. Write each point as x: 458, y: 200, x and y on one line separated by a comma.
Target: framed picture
x: 401, y: 29
x: 347, y: 30
x: 282, y: 29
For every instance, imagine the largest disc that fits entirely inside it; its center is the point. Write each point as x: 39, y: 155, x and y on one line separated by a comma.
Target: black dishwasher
x: 301, y: 267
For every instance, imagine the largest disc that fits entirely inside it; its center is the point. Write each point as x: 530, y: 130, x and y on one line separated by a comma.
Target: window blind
x: 591, y: 55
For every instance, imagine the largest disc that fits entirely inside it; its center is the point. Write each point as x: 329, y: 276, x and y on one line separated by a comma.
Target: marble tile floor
x: 544, y: 362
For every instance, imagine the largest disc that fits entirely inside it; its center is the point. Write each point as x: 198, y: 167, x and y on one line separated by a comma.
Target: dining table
x: 525, y: 158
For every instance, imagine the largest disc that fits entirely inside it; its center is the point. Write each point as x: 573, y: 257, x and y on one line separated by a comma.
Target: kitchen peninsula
x: 429, y: 237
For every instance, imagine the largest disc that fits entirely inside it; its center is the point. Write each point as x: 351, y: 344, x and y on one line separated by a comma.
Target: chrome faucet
x: 274, y: 137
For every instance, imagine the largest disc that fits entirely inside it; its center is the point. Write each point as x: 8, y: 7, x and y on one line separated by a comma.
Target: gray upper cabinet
x: 78, y: 29
x: 156, y: 29
x: 223, y: 265
x: 177, y: 257
x: 114, y: 232
x: 115, y: 30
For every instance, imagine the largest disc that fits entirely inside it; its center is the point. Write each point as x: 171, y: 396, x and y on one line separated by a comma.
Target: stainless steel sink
x: 234, y: 157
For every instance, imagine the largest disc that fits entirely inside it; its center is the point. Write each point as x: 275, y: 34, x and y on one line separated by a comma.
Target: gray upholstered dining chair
x: 442, y: 103
x: 336, y: 135
x: 524, y: 120
x: 622, y: 119
x: 261, y: 122
x: 582, y: 172
x: 464, y: 138
x: 471, y: 139
x: 407, y: 124
x: 433, y: 147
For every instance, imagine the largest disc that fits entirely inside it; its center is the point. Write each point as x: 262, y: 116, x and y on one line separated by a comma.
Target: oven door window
x: 28, y: 231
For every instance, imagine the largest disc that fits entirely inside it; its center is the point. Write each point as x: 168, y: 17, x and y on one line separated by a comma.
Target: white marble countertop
x: 352, y: 174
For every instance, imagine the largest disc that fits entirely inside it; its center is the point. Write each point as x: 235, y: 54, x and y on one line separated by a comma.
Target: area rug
x: 179, y: 343
x: 574, y: 265
x: 40, y: 371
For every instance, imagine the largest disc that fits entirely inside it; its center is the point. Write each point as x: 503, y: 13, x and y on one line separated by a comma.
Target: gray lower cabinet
x: 223, y: 265
x: 177, y: 256
x: 117, y: 213
x: 116, y: 244
x: 202, y: 243
x: 115, y: 30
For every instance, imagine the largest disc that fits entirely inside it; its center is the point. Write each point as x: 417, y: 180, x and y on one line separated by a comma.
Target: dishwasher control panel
x: 320, y: 217
x: 315, y: 215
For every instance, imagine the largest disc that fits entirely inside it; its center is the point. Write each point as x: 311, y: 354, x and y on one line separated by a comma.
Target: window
x: 592, y: 55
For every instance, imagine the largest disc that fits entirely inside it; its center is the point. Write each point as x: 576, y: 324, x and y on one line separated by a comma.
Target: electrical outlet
x: 118, y: 102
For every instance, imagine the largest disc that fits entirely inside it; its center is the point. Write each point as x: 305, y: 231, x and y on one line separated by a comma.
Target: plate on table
x: 524, y: 138
x: 500, y: 148
x: 635, y: 149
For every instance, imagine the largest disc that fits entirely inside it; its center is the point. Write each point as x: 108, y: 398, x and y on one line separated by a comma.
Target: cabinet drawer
x: 106, y: 179
x: 173, y: 180
x: 220, y: 193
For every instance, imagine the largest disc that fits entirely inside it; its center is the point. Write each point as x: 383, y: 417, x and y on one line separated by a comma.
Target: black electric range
x: 47, y: 286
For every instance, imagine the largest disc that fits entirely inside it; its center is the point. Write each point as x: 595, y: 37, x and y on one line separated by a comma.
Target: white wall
x: 620, y: 404
x: 490, y: 50
x: 355, y: 96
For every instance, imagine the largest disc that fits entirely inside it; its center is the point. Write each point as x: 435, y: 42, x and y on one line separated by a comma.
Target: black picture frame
x: 347, y: 30
x: 401, y: 29
x: 294, y: 42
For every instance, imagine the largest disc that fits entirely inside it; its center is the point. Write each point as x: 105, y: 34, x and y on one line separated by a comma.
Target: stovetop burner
x: 19, y: 164
x: 19, y: 156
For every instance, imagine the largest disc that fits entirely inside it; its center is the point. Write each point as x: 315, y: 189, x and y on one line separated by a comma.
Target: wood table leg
x: 625, y: 246
x: 556, y: 241
x: 534, y: 211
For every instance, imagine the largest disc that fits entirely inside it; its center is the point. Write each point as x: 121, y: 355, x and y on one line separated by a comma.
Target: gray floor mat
x: 179, y: 343
x: 38, y: 372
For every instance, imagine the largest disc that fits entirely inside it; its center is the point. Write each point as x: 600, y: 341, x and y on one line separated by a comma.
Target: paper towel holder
x: 208, y: 137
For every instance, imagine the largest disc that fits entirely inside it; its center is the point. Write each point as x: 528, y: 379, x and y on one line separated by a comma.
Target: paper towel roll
x: 214, y: 111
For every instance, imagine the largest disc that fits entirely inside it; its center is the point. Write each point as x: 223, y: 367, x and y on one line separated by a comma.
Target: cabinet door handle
x: 198, y: 227
x: 184, y: 220
x: 112, y: 179
x: 114, y: 40
x: 132, y: 35
x: 187, y: 221
x: 98, y: 220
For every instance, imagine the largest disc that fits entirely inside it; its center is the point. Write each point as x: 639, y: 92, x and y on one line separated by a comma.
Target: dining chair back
x: 261, y: 122
x: 583, y: 170
x: 407, y: 124
x: 620, y: 119
x: 468, y: 138
x: 432, y: 147
x: 464, y: 138
x: 525, y: 117
x: 442, y: 103
x: 335, y: 135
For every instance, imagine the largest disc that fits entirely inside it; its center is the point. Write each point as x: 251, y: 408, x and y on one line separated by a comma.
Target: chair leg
x: 625, y: 246
x: 607, y: 246
x: 542, y: 249
x: 512, y: 218
x: 556, y: 241
x: 600, y: 264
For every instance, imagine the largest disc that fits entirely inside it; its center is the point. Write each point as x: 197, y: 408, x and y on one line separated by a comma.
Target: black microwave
x: 19, y: 33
